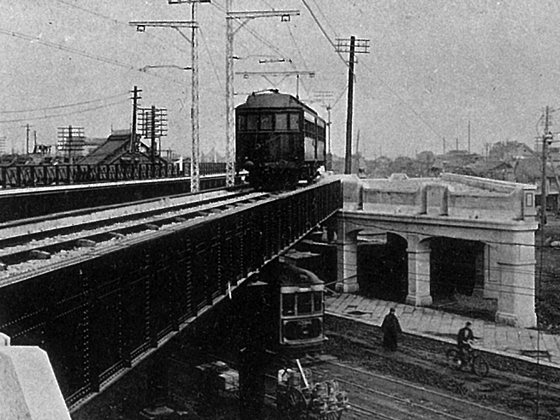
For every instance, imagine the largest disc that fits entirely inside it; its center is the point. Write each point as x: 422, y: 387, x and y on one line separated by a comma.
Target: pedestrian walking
x: 391, y: 329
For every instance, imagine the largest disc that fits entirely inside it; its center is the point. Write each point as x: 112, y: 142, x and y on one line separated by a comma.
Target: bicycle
x: 475, y: 361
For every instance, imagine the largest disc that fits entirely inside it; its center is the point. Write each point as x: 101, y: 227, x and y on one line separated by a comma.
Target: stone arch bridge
x: 499, y: 216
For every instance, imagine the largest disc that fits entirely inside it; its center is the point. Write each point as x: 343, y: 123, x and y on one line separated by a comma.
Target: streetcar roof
x: 292, y: 275
x: 273, y: 99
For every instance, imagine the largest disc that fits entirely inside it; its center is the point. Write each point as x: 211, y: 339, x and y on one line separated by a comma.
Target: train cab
x: 300, y: 309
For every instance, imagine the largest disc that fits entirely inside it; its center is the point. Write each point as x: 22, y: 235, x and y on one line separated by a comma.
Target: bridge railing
x: 22, y: 176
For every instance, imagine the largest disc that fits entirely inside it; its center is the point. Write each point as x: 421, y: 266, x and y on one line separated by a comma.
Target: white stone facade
x: 501, y: 215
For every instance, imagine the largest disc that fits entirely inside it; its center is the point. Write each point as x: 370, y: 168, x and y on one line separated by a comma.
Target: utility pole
x: 152, y: 124
x: 177, y: 25
x: 547, y: 137
x: 34, y: 141
x: 329, y: 145
x: 444, y: 145
x: 135, y: 98
x: 27, y: 129
x: 153, y: 134
x: 242, y: 18
x: 71, y: 141
x: 357, y: 154
x: 469, y: 136
x: 195, y: 143
x: 351, y: 46
x: 195, y: 108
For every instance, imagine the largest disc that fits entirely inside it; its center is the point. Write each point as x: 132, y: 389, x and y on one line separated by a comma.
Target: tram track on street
x: 374, y: 396
x: 509, y: 387
x: 64, y: 234
x: 402, y: 400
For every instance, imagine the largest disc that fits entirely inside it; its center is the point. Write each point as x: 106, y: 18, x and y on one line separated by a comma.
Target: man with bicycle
x: 465, y: 337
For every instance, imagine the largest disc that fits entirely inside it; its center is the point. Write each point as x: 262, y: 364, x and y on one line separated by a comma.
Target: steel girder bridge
x: 100, y: 315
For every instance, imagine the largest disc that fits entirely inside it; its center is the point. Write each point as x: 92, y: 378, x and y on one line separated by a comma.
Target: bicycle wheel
x: 453, y: 358
x: 480, y: 366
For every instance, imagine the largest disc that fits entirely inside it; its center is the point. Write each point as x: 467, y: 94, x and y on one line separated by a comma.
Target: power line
x: 45, y: 117
x: 324, y: 17
x: 211, y: 59
x: 63, y: 106
x: 371, y: 70
x: 116, y: 21
x: 81, y: 53
x: 324, y: 32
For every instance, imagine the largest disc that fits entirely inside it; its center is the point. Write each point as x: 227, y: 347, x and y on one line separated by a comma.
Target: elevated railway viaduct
x: 100, y: 314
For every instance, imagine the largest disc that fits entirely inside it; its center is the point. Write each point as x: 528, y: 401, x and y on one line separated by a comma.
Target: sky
x: 433, y: 69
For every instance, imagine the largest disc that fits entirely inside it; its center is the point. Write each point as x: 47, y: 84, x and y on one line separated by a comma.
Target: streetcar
x: 299, y: 309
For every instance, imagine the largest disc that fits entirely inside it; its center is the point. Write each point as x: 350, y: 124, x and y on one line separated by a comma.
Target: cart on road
x: 298, y: 398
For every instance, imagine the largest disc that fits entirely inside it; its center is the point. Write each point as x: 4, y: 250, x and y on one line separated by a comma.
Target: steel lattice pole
x: 230, y: 124
x: 195, y: 152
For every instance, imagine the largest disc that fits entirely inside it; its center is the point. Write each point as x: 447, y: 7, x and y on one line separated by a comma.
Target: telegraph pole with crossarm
x: 352, y: 46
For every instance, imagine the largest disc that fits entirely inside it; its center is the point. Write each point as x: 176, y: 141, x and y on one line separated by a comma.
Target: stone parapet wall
x: 452, y: 195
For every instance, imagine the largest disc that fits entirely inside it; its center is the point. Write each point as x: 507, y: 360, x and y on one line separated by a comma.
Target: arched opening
x: 382, y: 266
x: 457, y: 267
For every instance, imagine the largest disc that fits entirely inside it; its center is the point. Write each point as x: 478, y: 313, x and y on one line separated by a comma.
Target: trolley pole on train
x: 351, y: 46
x: 242, y: 18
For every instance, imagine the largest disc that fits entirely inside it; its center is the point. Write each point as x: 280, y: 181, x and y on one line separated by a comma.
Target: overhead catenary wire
x: 254, y: 33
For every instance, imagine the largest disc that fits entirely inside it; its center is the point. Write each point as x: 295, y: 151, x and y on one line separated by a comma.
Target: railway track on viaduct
x: 29, y: 245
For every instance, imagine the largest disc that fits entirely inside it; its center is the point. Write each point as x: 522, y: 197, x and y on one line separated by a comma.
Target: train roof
x: 273, y: 99
x: 290, y: 275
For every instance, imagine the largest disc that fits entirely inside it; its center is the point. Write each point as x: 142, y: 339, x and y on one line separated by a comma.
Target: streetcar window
x: 252, y: 122
x: 266, y: 122
x: 241, y: 123
x: 317, y: 302
x: 320, y: 149
x: 294, y: 122
x: 288, y: 305
x: 304, y: 303
x: 281, y: 122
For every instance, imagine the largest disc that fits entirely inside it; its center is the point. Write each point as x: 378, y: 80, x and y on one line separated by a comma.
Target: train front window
x: 241, y: 123
x: 252, y: 122
x: 304, y: 303
x: 288, y: 305
x: 281, y: 122
x: 317, y: 301
x: 266, y: 122
x: 294, y: 122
